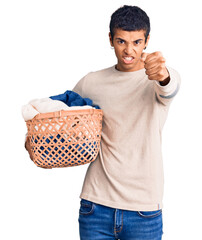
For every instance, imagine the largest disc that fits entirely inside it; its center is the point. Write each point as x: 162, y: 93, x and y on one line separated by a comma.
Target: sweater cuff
x: 170, y: 90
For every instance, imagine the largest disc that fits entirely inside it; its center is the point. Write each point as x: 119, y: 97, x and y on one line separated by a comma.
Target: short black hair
x: 129, y: 18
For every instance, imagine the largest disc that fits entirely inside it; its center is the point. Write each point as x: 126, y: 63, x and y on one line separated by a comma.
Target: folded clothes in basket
x: 69, y: 140
x: 74, y: 99
x: 66, y: 101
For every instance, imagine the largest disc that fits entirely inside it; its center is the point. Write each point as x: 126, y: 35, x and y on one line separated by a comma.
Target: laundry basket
x: 65, y: 138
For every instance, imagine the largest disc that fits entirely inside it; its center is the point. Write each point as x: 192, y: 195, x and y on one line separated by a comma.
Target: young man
x: 122, y: 192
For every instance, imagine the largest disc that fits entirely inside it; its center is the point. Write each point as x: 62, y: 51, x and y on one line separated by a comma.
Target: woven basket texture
x: 65, y: 138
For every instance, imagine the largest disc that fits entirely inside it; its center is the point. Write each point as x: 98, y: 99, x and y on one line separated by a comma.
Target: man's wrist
x: 165, y: 81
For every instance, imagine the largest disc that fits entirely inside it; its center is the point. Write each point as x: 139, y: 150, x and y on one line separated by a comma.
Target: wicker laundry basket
x: 65, y: 138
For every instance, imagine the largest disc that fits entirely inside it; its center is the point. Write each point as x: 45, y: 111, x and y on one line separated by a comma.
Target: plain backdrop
x: 46, y: 47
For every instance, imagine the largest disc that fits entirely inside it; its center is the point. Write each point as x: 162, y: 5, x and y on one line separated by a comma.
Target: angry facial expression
x: 128, y: 47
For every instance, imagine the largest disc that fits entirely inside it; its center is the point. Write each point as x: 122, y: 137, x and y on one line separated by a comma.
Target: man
x: 122, y: 192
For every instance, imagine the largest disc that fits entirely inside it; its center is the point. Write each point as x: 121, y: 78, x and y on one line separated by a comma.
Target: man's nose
x: 129, y: 49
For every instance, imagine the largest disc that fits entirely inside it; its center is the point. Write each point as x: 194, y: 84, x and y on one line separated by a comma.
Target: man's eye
x: 137, y: 42
x: 121, y: 41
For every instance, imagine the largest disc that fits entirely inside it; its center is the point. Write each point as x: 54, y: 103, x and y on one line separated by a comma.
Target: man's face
x: 128, y: 46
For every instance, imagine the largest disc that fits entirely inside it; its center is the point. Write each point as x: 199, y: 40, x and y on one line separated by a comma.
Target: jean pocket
x: 150, y: 214
x: 86, y: 207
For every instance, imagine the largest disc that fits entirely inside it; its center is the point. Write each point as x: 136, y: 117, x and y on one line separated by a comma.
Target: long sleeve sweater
x: 128, y: 172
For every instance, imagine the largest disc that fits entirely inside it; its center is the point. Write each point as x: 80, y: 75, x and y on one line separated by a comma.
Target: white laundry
x: 45, y: 105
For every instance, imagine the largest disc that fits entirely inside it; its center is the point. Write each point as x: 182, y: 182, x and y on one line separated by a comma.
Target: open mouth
x: 128, y: 60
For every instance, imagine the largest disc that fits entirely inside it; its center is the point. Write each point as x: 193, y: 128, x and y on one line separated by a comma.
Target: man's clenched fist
x: 154, y: 64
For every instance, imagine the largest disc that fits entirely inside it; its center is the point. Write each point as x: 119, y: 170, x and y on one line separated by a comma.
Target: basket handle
x: 63, y: 113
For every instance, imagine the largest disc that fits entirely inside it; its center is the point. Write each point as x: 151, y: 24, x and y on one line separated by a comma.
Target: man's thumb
x: 144, y: 56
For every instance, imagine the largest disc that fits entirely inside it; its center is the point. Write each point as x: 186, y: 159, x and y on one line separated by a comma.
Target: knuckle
x: 161, y: 68
x: 159, y: 53
x: 162, y: 65
x: 162, y: 71
x: 162, y: 60
x: 160, y: 74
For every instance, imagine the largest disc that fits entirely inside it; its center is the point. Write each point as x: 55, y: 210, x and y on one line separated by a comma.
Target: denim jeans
x: 99, y: 222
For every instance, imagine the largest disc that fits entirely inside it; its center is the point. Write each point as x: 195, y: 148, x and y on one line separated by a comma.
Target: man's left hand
x: 154, y: 64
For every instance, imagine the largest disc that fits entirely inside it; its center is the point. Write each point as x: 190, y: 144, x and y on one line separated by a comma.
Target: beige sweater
x: 128, y: 172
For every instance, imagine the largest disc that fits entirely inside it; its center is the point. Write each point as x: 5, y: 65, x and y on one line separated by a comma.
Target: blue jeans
x: 98, y: 222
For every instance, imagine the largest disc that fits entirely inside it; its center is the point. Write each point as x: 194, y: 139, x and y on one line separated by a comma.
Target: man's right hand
x: 28, y: 148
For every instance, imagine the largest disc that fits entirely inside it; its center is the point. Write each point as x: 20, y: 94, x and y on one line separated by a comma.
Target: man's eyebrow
x: 133, y: 40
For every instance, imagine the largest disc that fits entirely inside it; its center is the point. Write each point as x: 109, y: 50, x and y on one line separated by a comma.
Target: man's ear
x: 110, y: 39
x: 148, y: 37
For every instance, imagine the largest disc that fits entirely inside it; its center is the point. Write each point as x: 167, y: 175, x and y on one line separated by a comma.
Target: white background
x: 45, y: 48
